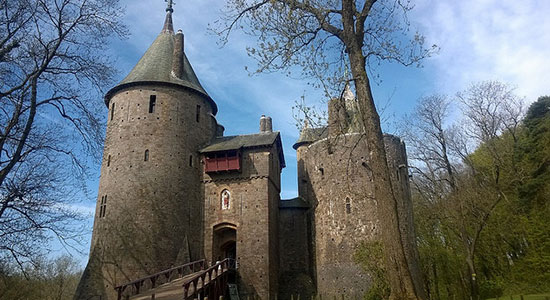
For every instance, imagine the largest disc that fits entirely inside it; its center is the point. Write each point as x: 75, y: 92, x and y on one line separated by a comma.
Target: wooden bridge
x: 190, y: 281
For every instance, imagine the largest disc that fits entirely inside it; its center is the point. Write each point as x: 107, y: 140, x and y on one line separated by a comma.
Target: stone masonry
x: 174, y: 189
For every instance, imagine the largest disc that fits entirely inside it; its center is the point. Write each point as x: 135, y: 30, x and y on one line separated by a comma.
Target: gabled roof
x: 155, y: 66
x: 236, y: 142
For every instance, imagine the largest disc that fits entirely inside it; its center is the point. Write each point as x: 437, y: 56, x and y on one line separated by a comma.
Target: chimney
x: 219, y: 130
x: 266, y: 124
x: 177, y: 59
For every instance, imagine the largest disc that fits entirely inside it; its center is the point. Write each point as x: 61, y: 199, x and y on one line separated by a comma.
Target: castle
x: 174, y: 189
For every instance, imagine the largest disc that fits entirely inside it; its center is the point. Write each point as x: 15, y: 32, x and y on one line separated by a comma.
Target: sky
x: 505, y: 40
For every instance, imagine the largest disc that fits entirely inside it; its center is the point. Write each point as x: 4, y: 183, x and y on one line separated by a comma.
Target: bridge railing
x: 146, y: 283
x: 210, y: 282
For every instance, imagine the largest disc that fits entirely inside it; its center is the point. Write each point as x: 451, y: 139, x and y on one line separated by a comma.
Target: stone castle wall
x: 296, y: 269
x: 157, y: 207
x: 253, y: 214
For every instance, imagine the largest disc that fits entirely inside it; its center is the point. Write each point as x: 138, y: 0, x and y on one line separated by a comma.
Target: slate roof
x: 236, y: 142
x: 297, y: 202
x: 241, y: 141
x: 155, y: 66
x: 310, y: 135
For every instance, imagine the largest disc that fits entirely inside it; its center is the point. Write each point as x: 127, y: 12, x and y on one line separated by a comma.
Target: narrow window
x: 322, y: 171
x: 112, y: 111
x: 146, y: 155
x: 152, y: 103
x: 397, y: 174
x: 108, y: 161
x: 348, y: 205
x: 190, y: 160
x: 103, y: 206
x: 198, y: 114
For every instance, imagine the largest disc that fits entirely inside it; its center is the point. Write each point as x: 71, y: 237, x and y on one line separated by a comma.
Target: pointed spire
x: 168, y: 25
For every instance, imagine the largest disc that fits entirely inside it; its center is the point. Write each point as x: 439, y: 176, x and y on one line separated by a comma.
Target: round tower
x: 149, y: 207
x: 335, y: 177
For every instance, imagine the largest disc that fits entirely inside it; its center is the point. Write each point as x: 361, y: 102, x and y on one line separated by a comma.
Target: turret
x: 148, y: 216
x: 335, y: 178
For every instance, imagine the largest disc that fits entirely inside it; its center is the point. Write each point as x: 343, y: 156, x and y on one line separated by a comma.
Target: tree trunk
x: 397, y: 267
x: 472, y: 280
x: 436, y: 282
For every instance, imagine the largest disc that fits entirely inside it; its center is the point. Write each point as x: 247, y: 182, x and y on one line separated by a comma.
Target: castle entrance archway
x: 224, y: 244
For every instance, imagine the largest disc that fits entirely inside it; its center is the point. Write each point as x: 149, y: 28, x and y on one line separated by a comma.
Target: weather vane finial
x: 170, y: 5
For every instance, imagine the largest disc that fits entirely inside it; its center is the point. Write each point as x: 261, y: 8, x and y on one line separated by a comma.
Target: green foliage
x: 536, y: 148
x: 501, y: 204
x: 370, y: 256
x: 522, y: 296
x: 538, y: 110
x: 491, y: 288
x: 534, y: 264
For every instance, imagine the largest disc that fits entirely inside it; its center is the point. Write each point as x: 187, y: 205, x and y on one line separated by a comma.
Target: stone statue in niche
x: 226, y: 199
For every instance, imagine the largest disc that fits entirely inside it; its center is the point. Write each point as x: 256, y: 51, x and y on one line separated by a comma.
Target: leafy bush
x: 491, y: 289
x: 370, y: 256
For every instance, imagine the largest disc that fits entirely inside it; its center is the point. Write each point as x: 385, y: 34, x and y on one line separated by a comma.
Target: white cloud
x: 505, y: 40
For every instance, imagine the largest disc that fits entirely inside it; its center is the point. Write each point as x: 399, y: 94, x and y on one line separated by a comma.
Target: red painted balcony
x: 223, y: 162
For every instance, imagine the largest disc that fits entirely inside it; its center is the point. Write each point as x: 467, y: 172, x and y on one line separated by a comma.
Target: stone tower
x: 335, y: 179
x: 149, y: 209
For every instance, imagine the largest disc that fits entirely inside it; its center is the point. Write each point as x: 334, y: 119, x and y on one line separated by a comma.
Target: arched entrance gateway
x: 224, y: 243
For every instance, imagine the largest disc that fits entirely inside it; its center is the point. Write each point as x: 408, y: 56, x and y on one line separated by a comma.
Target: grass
x: 525, y: 297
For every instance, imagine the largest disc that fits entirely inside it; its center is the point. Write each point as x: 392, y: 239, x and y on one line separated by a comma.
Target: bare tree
x: 323, y: 36
x: 427, y: 132
x: 54, y: 279
x: 52, y: 73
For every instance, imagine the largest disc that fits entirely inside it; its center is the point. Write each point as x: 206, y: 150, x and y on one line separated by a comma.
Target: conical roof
x: 156, y: 66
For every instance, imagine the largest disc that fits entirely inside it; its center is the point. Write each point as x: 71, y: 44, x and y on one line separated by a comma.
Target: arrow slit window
x: 103, y: 206
x: 152, y: 103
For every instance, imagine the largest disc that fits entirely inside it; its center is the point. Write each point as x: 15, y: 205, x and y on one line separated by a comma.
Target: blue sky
x: 506, y: 40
